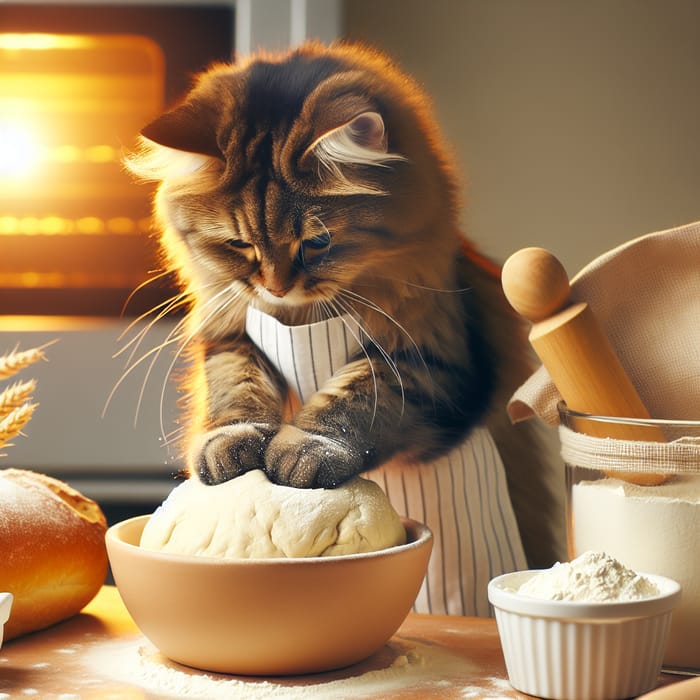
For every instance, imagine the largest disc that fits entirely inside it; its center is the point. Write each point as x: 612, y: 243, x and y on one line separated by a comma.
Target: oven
x: 77, y: 81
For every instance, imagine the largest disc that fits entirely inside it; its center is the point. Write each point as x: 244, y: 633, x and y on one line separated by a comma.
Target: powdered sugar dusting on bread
x: 26, y: 501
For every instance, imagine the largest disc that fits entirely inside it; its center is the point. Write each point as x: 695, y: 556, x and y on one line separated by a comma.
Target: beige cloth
x: 646, y: 296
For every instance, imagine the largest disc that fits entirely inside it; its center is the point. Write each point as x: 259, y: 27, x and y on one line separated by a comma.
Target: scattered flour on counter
x: 402, y: 664
x: 494, y: 689
x: 67, y: 650
x: 591, y: 577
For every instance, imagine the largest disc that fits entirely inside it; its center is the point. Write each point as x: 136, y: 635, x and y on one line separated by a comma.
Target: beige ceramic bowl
x: 267, y: 616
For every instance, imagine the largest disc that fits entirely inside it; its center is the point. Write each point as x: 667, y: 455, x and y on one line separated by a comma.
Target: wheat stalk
x: 16, y: 408
x: 11, y: 425
x: 17, y: 360
x: 15, y: 396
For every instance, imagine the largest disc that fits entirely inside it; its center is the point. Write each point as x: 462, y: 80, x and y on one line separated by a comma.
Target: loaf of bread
x: 53, y: 557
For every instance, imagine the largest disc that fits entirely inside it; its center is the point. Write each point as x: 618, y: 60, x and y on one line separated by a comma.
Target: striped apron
x: 462, y: 497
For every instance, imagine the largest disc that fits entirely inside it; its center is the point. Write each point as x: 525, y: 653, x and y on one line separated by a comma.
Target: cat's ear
x: 366, y: 132
x: 360, y: 141
x: 188, y: 127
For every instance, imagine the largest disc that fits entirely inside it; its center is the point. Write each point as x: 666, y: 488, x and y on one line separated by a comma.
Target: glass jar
x: 638, y: 499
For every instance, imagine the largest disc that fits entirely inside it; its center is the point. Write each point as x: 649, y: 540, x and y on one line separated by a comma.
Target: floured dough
x: 250, y: 517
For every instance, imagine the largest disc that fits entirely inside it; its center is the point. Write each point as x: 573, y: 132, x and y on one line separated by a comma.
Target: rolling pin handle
x: 535, y: 283
x: 573, y: 348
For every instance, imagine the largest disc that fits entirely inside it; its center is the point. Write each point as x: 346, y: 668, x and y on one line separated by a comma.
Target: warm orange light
x: 19, y: 150
x: 82, y: 96
x: 60, y: 225
x: 70, y: 217
x: 35, y: 41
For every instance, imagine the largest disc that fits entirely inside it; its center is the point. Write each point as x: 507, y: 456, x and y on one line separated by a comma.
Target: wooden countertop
x: 100, y: 654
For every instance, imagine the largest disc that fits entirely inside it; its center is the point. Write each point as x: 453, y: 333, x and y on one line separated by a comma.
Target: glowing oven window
x: 74, y: 228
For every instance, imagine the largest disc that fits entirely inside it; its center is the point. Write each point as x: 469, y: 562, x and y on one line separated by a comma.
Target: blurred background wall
x: 576, y: 123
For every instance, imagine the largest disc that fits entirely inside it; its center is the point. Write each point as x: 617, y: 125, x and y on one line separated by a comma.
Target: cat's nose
x: 277, y: 277
x: 278, y: 292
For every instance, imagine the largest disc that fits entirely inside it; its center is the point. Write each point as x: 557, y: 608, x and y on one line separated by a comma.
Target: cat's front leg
x: 305, y: 459
x: 241, y: 413
x: 346, y: 428
x: 372, y: 411
x: 228, y: 451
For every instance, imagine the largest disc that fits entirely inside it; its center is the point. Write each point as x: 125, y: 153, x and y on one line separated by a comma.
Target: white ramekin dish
x: 582, y: 651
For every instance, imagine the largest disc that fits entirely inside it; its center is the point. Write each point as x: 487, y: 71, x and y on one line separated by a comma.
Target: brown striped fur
x: 312, y: 184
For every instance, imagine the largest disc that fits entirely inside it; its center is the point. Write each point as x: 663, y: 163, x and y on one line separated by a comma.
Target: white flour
x: 591, y: 577
x: 113, y: 669
x: 402, y: 665
x: 653, y: 529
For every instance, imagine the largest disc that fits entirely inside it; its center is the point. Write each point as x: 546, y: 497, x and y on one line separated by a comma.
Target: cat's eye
x: 237, y: 243
x: 319, y: 242
x: 315, y: 249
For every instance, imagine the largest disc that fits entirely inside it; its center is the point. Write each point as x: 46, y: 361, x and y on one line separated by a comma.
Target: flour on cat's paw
x: 226, y: 452
x: 304, y: 460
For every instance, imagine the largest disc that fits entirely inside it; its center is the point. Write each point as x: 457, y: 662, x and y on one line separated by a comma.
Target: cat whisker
x: 322, y: 225
x: 162, y: 310
x: 173, y: 436
x: 375, y: 307
x: 165, y: 307
x: 153, y: 353
x: 145, y: 283
x: 338, y: 310
x: 423, y: 287
x: 173, y: 338
x: 233, y: 295
x: 315, y: 313
x: 323, y: 309
x: 132, y: 367
x: 385, y: 355
x: 140, y: 318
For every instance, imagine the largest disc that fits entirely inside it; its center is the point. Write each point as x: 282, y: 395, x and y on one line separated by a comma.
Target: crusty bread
x: 53, y: 557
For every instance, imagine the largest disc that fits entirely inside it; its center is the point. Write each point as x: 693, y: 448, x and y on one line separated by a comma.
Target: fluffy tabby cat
x: 314, y: 184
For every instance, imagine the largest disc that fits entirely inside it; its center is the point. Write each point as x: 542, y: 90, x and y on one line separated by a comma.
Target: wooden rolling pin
x: 577, y: 354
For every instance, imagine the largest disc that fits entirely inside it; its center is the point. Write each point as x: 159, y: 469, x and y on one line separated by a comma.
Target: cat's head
x: 289, y: 179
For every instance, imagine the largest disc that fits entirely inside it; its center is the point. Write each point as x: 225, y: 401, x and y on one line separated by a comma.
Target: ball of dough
x: 250, y: 517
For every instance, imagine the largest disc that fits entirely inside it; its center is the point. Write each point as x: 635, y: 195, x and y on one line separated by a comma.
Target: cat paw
x: 229, y: 451
x: 303, y: 460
